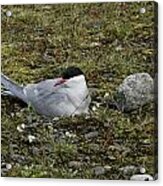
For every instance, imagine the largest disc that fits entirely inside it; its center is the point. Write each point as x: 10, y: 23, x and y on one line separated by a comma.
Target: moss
x: 108, y: 41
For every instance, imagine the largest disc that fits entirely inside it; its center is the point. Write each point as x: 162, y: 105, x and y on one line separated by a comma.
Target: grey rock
x: 129, y: 170
x: 91, y: 135
x: 135, y: 91
x: 98, y: 171
x: 75, y: 164
x: 142, y: 170
x: 141, y: 177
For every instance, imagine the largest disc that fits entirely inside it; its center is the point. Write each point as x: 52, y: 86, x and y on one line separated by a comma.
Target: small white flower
x: 95, y: 44
x: 55, y: 130
x: 8, y: 166
x: 70, y: 135
x: 12, y: 114
x: 23, y: 126
x: 94, y: 108
x: 118, y: 48
x: 67, y: 134
x: 19, y: 129
x: 31, y: 138
x: 106, y: 95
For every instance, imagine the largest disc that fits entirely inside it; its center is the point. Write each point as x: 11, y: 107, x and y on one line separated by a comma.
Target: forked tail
x: 12, y: 88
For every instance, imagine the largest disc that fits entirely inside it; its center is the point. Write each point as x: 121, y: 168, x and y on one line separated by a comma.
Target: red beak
x: 61, y: 81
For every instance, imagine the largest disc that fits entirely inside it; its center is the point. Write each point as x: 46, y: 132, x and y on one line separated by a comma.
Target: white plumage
x: 54, y: 97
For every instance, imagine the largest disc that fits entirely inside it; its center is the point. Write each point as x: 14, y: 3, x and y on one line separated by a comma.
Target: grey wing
x: 54, y: 104
x: 45, y: 98
x: 43, y: 88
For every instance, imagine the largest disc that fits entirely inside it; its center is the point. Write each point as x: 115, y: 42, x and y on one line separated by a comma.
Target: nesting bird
x: 64, y: 96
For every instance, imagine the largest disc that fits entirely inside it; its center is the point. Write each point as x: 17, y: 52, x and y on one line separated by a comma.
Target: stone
x: 135, y: 91
x: 142, y: 170
x: 141, y: 177
x: 129, y: 170
x: 75, y: 164
x: 8, y: 166
x: 99, y: 171
x: 91, y: 135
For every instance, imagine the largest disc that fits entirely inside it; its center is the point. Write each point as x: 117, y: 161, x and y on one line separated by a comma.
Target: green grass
x: 108, y: 41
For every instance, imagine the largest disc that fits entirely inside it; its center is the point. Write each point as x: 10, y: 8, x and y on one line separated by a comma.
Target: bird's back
x: 66, y: 99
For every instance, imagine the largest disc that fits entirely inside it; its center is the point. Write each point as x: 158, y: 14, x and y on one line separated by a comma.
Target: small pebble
x: 142, y: 170
x: 8, y: 13
x: 91, y: 135
x: 8, y: 166
x: 75, y: 164
x: 55, y: 130
x: 130, y: 169
x: 99, y: 171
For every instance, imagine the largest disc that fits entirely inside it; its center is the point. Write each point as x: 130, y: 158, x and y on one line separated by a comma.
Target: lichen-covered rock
x: 141, y: 177
x: 135, y: 91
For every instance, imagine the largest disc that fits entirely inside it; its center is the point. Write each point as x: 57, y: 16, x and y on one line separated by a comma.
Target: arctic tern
x: 64, y: 96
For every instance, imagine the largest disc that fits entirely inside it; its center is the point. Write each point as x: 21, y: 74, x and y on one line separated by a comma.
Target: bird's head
x: 71, y: 72
x: 71, y: 75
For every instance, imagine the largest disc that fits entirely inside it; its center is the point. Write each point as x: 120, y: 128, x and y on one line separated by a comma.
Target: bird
x: 67, y: 95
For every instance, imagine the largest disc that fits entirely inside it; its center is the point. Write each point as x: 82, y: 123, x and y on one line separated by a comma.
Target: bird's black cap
x: 71, y: 72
